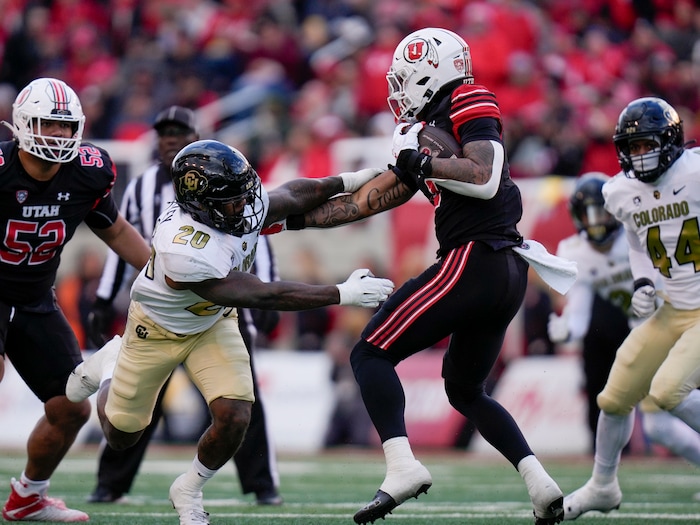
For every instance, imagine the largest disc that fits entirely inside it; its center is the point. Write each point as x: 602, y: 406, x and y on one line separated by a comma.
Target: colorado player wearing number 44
x: 183, y: 304
x: 598, y: 310
x: 656, y: 197
x: 50, y: 182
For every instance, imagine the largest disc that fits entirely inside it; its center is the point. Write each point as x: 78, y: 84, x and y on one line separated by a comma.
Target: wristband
x: 296, y: 222
x: 642, y: 282
x: 405, y: 177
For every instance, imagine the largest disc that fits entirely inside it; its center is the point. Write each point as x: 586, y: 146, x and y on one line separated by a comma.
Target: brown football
x: 438, y: 143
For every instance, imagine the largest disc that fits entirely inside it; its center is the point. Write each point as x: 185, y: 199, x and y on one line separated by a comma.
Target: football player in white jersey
x: 598, y: 310
x: 657, y: 199
x: 183, y: 306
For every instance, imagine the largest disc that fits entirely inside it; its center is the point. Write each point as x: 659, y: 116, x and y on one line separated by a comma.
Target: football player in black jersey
x: 471, y: 293
x: 50, y: 183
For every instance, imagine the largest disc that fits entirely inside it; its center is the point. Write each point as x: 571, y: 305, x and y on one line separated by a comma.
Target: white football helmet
x: 47, y: 99
x: 425, y: 61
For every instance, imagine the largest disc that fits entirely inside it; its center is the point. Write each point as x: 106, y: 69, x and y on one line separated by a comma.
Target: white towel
x: 557, y: 272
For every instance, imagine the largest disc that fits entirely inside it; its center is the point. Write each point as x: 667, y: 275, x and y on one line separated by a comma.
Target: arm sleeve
x: 579, y: 302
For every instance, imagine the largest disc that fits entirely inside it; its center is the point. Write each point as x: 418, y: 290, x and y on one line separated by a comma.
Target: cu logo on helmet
x: 193, y: 182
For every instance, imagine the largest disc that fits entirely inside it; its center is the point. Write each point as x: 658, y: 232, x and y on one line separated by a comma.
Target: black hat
x: 176, y: 115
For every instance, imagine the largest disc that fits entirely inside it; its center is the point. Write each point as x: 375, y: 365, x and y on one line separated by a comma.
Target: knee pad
x: 610, y: 405
x: 363, y: 352
x: 460, y: 395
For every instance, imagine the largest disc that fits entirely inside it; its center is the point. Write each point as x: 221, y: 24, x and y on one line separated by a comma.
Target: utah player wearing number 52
x: 476, y: 287
x: 50, y: 182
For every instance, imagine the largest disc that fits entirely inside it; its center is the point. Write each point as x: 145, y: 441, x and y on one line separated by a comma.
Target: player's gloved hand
x: 558, y: 328
x: 364, y: 289
x: 354, y: 180
x: 406, y: 137
x: 100, y: 320
x: 644, y: 298
x: 412, y: 166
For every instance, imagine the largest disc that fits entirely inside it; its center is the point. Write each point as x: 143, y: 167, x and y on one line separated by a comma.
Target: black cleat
x: 381, y: 505
x: 555, y: 513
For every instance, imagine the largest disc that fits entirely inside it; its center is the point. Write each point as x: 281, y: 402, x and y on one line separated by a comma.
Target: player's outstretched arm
x: 301, y: 195
x: 245, y: 290
x: 382, y: 193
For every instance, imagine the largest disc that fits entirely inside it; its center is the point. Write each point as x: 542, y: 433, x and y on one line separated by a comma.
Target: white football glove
x: 354, y: 180
x: 558, y: 328
x: 644, y: 301
x: 364, y: 289
x: 406, y: 137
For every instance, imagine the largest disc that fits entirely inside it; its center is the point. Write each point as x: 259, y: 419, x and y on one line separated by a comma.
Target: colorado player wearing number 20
x: 656, y: 197
x: 183, y: 306
x: 471, y: 293
x: 50, y: 182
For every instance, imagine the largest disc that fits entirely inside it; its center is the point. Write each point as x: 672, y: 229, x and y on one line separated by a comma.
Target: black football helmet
x: 217, y: 186
x: 587, y: 210
x: 648, y: 118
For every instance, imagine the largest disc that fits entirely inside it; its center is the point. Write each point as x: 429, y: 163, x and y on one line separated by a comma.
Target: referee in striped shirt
x: 144, y: 200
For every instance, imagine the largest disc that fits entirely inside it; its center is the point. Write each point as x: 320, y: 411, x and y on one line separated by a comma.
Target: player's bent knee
x: 363, y: 352
x: 126, y: 423
x: 610, y: 405
x: 667, y: 400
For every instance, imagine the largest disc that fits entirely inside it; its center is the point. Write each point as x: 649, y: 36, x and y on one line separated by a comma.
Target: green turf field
x: 329, y: 488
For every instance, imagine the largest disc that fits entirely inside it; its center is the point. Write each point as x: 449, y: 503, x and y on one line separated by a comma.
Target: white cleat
x: 38, y: 507
x: 548, y: 503
x: 592, y: 496
x: 85, y: 379
x: 398, y: 486
x: 188, y: 505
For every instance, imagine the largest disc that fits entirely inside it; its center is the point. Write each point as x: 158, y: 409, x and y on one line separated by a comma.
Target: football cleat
x: 268, y: 497
x: 85, y: 379
x: 38, y: 507
x: 104, y: 495
x: 592, y: 496
x: 548, y: 503
x: 398, y: 486
x: 188, y: 505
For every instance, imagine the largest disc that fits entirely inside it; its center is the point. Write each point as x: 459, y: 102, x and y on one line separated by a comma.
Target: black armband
x: 415, y: 163
x: 642, y: 282
x: 296, y: 222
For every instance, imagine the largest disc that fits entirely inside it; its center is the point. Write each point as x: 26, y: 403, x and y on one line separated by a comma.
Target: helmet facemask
x: 237, y: 215
x: 587, y: 209
x: 651, y: 119
x: 42, y: 101
x: 218, y: 187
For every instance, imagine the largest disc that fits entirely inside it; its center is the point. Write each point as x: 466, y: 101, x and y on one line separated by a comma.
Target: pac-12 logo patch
x: 21, y: 196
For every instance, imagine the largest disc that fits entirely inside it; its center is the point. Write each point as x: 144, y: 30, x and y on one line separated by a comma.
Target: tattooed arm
x: 300, y: 195
x: 383, y: 193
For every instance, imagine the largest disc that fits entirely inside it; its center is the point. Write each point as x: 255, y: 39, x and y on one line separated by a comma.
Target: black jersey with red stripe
x: 470, y: 112
x: 38, y: 218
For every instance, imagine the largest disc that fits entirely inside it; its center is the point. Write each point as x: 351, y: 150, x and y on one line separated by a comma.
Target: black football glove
x: 412, y: 168
x: 100, y: 321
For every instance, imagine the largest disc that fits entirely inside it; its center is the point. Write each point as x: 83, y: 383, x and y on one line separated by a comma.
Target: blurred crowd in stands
x: 302, y: 74
x: 561, y: 69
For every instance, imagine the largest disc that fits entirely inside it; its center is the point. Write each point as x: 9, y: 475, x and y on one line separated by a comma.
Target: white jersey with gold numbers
x: 662, y: 223
x: 606, y: 274
x: 188, y: 251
